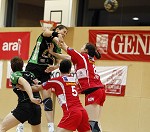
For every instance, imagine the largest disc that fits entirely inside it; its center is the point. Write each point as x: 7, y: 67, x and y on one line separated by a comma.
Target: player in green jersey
x: 27, y: 108
x: 41, y: 63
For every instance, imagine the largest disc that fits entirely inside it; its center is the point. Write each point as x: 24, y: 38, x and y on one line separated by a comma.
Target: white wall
x: 2, y: 12
x: 68, y: 8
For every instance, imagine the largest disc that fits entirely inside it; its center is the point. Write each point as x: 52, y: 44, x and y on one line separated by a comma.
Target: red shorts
x: 96, y: 97
x: 75, y: 120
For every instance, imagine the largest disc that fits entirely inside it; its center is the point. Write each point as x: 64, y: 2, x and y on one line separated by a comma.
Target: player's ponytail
x: 97, y: 54
x: 92, y: 51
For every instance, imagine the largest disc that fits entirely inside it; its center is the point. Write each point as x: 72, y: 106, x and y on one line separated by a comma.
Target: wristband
x: 55, y: 34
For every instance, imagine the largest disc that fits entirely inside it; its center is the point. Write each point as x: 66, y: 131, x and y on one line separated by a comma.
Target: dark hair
x: 65, y: 66
x: 16, y: 64
x: 60, y: 27
x: 92, y: 51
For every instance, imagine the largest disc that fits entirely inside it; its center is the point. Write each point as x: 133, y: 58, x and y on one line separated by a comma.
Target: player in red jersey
x: 89, y: 81
x: 75, y: 116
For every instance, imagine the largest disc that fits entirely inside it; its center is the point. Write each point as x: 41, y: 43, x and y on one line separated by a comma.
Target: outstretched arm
x: 60, y: 56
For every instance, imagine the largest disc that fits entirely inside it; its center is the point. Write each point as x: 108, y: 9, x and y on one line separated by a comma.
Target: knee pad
x: 94, y: 126
x: 48, y: 104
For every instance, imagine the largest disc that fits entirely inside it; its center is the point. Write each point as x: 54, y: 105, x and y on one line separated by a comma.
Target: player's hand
x: 50, y: 48
x: 36, y: 81
x: 62, y: 45
x: 45, y: 29
x: 60, y: 37
x: 36, y: 100
x: 51, y: 68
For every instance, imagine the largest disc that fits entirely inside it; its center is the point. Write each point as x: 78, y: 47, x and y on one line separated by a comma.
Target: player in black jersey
x: 41, y: 63
x: 25, y: 110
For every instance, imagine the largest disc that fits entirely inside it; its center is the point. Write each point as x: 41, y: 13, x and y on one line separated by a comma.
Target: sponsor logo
x: 131, y: 44
x: 12, y: 46
x: 102, y: 43
x: 126, y: 44
x: 90, y: 99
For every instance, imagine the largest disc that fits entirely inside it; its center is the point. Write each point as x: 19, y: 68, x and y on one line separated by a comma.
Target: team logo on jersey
x: 69, y: 80
x: 90, y: 99
x: 65, y: 79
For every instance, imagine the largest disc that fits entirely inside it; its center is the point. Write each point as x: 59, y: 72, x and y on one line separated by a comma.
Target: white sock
x: 50, y: 127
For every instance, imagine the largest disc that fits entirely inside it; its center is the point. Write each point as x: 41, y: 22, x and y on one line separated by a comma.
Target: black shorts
x: 38, y: 71
x: 28, y: 112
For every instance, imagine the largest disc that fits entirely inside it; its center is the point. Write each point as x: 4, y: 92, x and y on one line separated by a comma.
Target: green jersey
x: 22, y: 95
x: 40, y: 54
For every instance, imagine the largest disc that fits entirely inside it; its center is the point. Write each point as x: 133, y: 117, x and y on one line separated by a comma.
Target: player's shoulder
x: 84, y: 54
x: 15, y: 76
x: 27, y: 72
x: 17, y: 73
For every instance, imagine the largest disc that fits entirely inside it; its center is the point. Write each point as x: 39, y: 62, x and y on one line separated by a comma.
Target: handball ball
x: 111, y: 5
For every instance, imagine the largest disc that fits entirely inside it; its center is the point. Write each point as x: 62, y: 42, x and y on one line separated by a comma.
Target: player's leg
x: 48, y: 107
x: 39, y: 72
x: 94, y: 118
x: 95, y: 106
x: 97, y: 111
x: 36, y: 128
x: 47, y: 101
x: 35, y: 118
x: 9, y: 122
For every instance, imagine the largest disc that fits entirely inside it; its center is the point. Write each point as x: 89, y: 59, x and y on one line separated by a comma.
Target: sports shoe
x: 19, y: 128
x: 50, y: 127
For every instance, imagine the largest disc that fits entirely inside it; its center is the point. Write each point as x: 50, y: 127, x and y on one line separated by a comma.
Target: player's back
x: 66, y: 91
x: 85, y: 70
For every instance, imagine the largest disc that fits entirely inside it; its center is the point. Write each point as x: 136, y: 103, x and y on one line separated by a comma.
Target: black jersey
x: 22, y: 95
x: 40, y: 54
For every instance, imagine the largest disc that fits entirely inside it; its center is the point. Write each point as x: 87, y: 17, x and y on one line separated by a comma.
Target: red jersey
x: 65, y: 90
x: 85, y: 70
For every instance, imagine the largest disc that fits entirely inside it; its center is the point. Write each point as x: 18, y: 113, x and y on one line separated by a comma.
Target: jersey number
x: 74, y: 92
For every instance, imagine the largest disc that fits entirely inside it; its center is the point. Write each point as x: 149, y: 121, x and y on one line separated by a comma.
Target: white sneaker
x: 19, y: 128
x: 50, y: 127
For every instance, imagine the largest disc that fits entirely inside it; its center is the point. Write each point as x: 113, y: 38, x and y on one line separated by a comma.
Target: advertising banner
x: 122, y: 44
x: 113, y: 78
x: 14, y: 44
